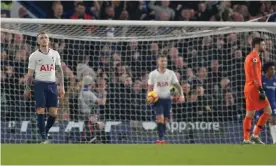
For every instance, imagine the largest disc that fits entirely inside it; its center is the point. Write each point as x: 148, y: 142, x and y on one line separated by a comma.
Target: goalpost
x: 115, y: 57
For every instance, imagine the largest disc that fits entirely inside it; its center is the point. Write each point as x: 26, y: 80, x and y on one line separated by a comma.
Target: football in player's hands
x: 152, y: 97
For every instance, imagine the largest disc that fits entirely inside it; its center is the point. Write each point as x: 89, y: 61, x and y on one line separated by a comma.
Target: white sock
x: 273, y: 132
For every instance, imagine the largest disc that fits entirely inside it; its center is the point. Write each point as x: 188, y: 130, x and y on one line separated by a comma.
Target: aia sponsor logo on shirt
x: 47, y: 67
x: 162, y: 84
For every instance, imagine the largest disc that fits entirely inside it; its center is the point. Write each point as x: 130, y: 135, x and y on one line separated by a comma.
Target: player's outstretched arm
x: 28, y: 83
x: 60, y: 77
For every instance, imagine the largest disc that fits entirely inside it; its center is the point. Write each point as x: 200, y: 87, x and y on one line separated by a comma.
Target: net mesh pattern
x: 116, y: 60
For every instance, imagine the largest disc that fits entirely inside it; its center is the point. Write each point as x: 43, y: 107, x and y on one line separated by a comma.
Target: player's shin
x: 41, y: 125
x: 160, y: 126
x: 51, y: 119
x: 261, y: 123
x: 164, y: 127
x: 247, y: 127
x: 166, y: 121
x: 50, y: 122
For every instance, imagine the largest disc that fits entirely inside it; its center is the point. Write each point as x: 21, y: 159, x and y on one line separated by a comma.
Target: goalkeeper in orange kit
x: 254, y: 93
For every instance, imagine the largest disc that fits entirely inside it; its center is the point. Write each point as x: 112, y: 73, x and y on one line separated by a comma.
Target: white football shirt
x: 44, y: 65
x: 162, y: 81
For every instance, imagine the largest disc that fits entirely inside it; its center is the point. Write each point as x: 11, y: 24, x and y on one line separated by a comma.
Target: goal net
x: 114, y: 59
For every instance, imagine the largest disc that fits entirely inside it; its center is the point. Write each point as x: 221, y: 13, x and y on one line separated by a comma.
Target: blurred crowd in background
x: 210, y: 69
x: 146, y: 10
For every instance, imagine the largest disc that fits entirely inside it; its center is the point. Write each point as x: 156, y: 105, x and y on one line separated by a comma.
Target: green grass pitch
x: 137, y: 154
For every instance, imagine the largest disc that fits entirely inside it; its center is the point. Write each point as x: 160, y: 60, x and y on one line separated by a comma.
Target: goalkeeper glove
x: 262, y: 94
x: 172, y: 90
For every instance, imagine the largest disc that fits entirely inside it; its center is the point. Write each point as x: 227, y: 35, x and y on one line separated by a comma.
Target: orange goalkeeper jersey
x: 253, y: 72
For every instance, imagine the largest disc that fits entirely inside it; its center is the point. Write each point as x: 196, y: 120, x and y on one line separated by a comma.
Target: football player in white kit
x: 46, y: 65
x: 160, y: 81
